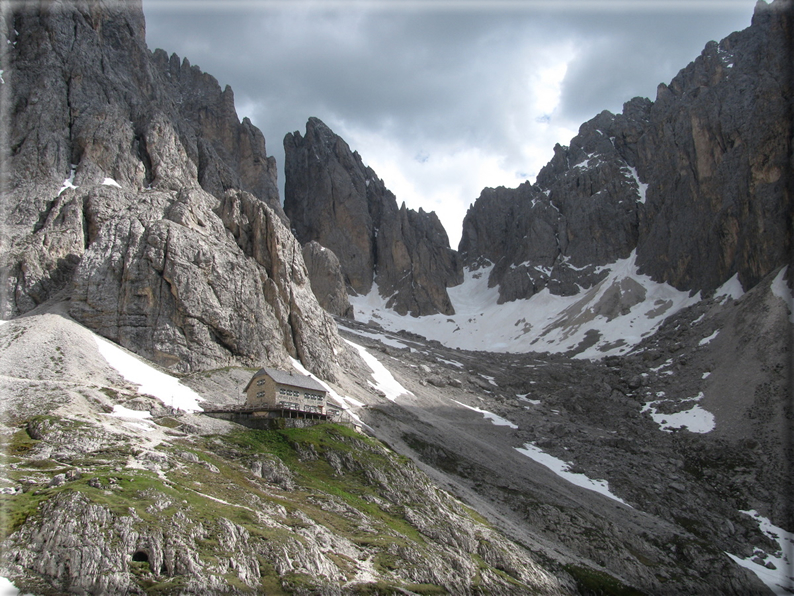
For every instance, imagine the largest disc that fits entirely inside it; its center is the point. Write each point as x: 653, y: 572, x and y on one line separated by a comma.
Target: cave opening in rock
x: 140, y: 556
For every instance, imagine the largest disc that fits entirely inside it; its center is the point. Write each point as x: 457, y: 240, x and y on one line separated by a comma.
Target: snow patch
x: 6, y: 587
x: 69, y: 182
x: 164, y: 387
x: 123, y: 412
x: 495, y: 419
x: 591, y: 160
x: 562, y: 469
x: 384, y: 381
x: 695, y: 419
x: 780, y: 289
x: 642, y: 188
x: 667, y: 362
x: 111, y: 182
x: 534, y: 402
x: 707, y: 340
x: 450, y: 362
x: 491, y: 380
x: 780, y: 579
x: 731, y: 289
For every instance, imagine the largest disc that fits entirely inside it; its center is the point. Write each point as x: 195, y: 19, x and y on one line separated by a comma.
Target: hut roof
x: 292, y: 379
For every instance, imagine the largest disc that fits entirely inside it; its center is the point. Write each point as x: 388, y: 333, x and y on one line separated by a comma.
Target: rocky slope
x: 689, y: 433
x: 333, y: 199
x: 110, y: 491
x: 697, y: 182
x: 134, y: 190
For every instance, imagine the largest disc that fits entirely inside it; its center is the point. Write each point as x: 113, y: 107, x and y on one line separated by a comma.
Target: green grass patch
x: 426, y: 589
x: 315, y: 477
x: 592, y: 582
x: 17, y: 508
x: 19, y: 445
x: 269, y: 580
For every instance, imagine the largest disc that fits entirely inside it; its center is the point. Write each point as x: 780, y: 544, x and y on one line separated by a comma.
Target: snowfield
x: 544, y: 322
x: 494, y: 418
x: 164, y: 387
x: 384, y: 381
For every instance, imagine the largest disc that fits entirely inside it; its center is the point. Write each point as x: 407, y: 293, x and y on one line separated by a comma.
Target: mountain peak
x: 331, y: 197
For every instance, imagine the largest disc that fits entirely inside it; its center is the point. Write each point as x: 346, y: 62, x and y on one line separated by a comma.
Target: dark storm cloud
x: 428, y: 74
x: 440, y: 80
x: 624, y: 54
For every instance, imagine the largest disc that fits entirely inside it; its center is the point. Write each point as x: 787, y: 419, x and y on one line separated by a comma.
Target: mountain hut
x: 270, y: 388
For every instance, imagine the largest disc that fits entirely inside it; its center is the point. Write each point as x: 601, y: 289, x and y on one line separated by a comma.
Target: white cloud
x: 446, y: 175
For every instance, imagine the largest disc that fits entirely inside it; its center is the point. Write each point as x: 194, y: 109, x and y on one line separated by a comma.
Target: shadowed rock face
x: 696, y: 182
x: 333, y: 199
x: 327, y: 279
x: 721, y: 203
x: 168, y: 236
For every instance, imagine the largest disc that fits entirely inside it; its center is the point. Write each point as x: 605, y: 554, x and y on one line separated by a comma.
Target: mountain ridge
x: 130, y: 190
x: 696, y: 182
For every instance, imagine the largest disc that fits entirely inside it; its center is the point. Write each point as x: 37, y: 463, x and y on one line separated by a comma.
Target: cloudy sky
x: 441, y: 98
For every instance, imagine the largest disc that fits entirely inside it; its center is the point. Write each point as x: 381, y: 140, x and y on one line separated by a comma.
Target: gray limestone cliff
x: 327, y: 279
x: 332, y: 198
x: 131, y: 188
x: 697, y: 182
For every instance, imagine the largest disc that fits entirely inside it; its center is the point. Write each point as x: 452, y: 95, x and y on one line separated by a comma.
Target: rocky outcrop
x: 135, y: 191
x: 89, y: 104
x: 696, y: 182
x: 327, y: 279
x: 83, y: 544
x: 191, y: 282
x: 229, y: 154
x: 333, y: 199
